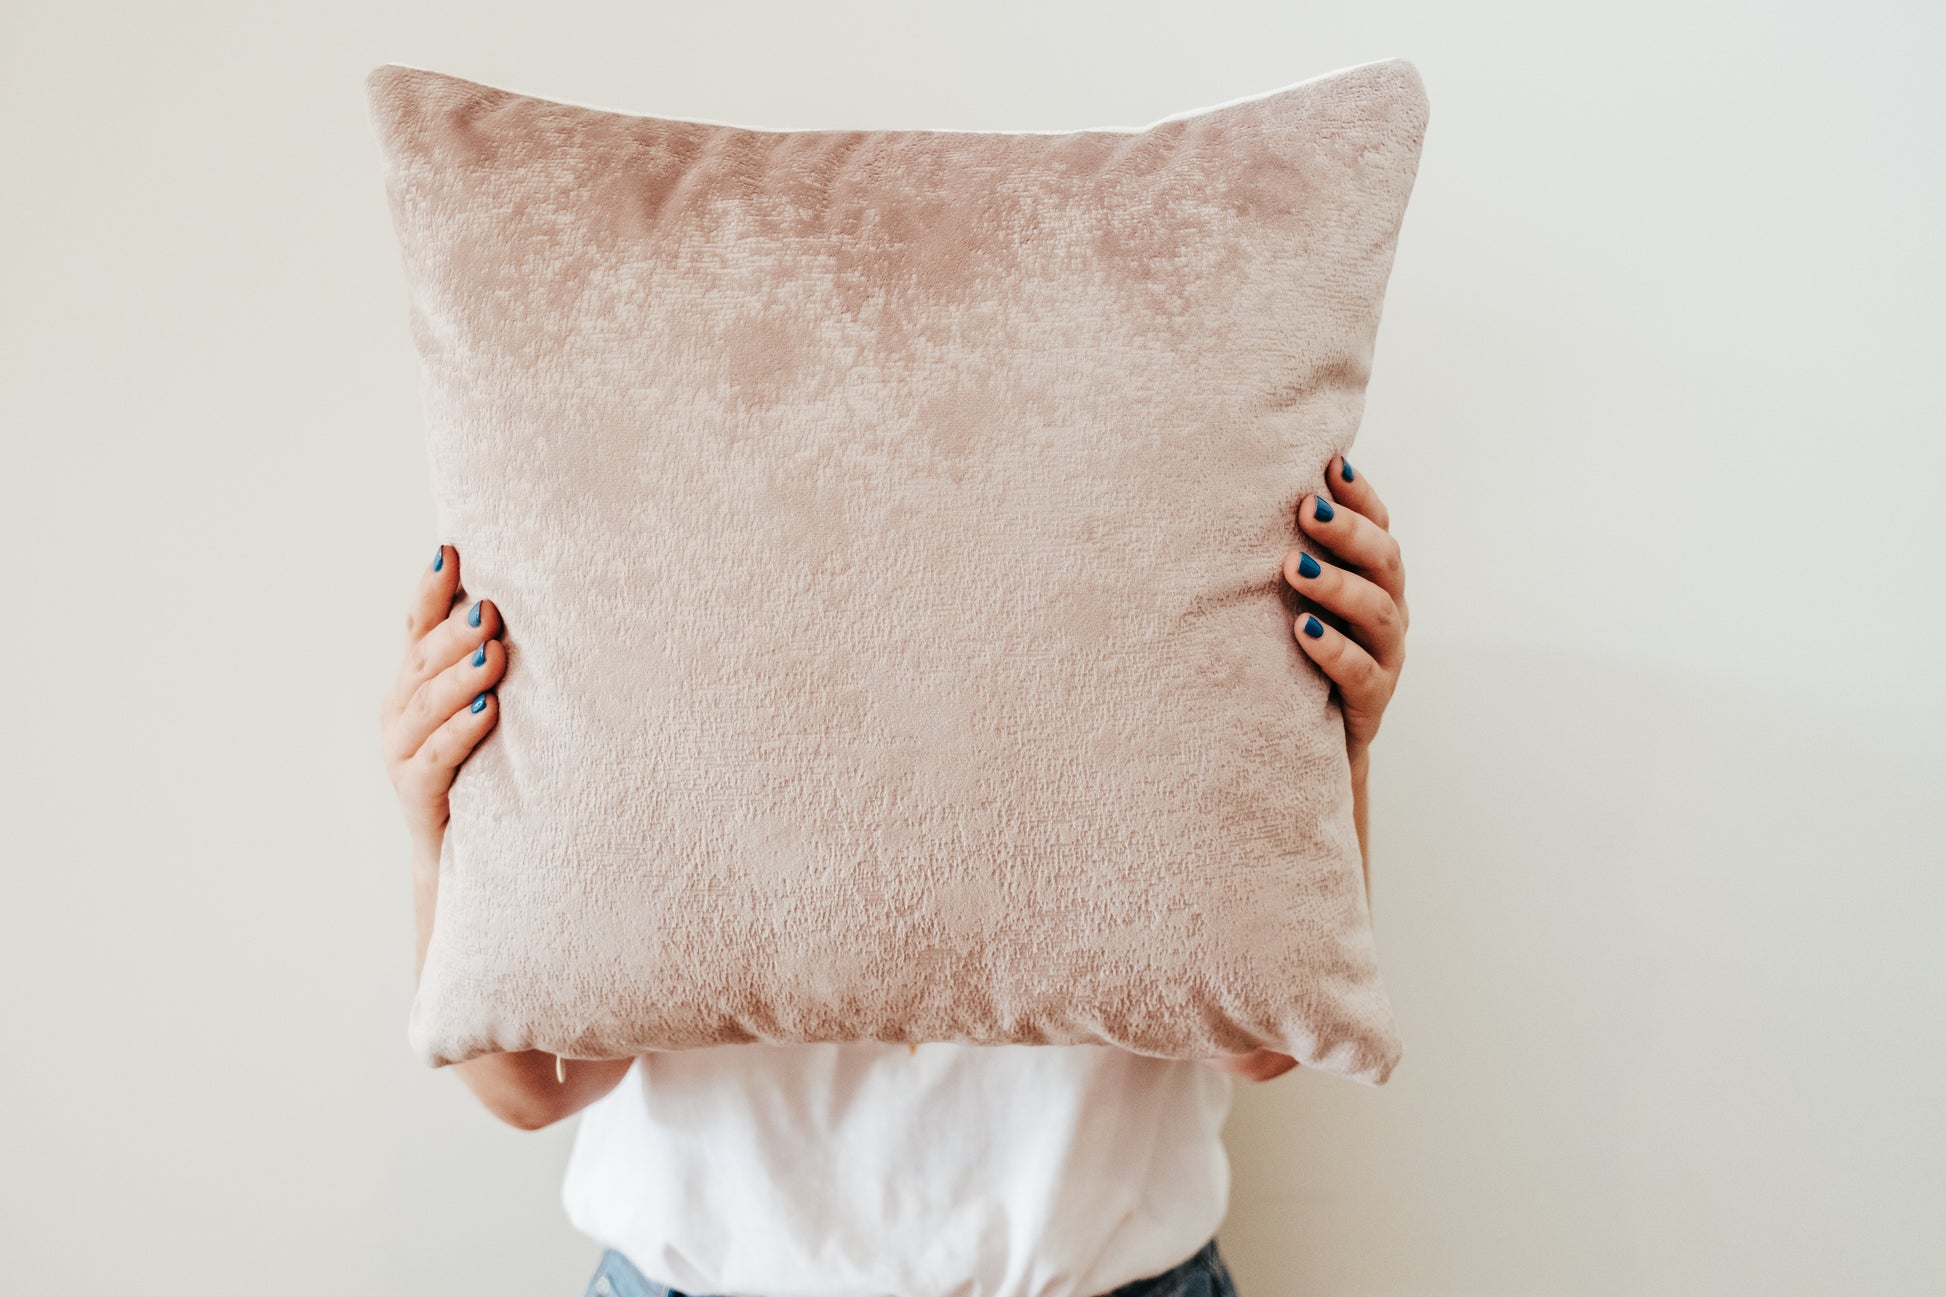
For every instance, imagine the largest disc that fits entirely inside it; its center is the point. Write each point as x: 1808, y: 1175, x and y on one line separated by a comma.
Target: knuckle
x: 421, y: 706
x: 1371, y: 676
x: 424, y: 790
x: 431, y: 757
x: 408, y: 779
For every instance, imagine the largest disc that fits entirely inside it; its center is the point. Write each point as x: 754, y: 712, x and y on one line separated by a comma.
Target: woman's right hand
x: 435, y: 714
x: 442, y: 703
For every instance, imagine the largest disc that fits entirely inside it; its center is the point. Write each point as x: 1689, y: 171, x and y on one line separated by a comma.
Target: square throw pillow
x: 888, y: 527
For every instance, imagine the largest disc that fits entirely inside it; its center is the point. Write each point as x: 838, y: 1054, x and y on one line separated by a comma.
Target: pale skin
x: 1353, y: 626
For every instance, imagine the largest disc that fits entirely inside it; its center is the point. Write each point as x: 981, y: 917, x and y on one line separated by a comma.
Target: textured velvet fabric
x: 888, y: 528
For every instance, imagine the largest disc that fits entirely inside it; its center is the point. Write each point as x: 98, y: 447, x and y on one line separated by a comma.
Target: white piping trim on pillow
x: 944, y: 130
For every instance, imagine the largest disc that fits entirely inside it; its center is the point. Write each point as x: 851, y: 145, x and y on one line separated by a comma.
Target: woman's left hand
x: 1356, y: 635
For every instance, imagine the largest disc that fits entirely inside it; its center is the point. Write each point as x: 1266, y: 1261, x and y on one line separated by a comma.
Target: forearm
x: 522, y: 1089
x: 1361, y: 762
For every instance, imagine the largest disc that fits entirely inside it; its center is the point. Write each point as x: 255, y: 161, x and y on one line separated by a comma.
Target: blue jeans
x: 1202, y: 1275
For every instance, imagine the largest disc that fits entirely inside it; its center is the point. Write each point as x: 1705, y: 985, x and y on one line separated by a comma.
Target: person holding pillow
x: 935, y: 1170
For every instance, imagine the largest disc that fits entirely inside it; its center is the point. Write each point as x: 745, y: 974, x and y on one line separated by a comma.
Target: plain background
x: 1658, y: 408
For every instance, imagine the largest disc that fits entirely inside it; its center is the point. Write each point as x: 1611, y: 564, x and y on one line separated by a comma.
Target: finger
x: 438, y: 698
x: 1366, y: 610
x: 1355, y: 541
x: 1363, y: 685
x: 431, y: 604
x: 429, y: 771
x: 1258, y: 1065
x: 433, y: 598
x: 465, y: 628
x: 1352, y: 488
x: 1270, y: 1065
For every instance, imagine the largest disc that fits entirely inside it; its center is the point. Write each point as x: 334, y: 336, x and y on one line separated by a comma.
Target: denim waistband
x: 1202, y: 1274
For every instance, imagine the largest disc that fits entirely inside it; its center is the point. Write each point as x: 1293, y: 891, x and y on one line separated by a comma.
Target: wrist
x: 425, y: 894
x: 425, y: 829
x: 426, y: 842
x: 1361, y: 759
x: 425, y: 861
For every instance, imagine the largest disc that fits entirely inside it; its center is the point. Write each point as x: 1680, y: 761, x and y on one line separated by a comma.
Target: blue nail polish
x: 1323, y: 513
x: 439, y: 559
x: 1307, y: 566
x: 1312, y: 627
x: 479, y: 703
x: 473, y: 614
x: 479, y: 656
x: 1344, y: 469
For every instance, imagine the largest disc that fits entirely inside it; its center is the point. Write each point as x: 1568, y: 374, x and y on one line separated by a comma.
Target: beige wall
x: 1658, y: 408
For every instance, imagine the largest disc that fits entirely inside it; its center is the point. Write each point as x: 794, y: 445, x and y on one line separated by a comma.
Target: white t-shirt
x: 883, y: 1170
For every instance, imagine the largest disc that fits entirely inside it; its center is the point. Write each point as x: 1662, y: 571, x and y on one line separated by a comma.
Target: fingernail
x: 479, y: 656
x: 1322, y: 513
x: 473, y: 614
x: 1307, y: 566
x: 1344, y: 468
x: 479, y: 701
x: 1312, y: 627
x: 439, y: 559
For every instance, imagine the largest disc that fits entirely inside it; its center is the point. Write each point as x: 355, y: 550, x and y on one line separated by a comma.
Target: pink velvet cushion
x: 888, y: 527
